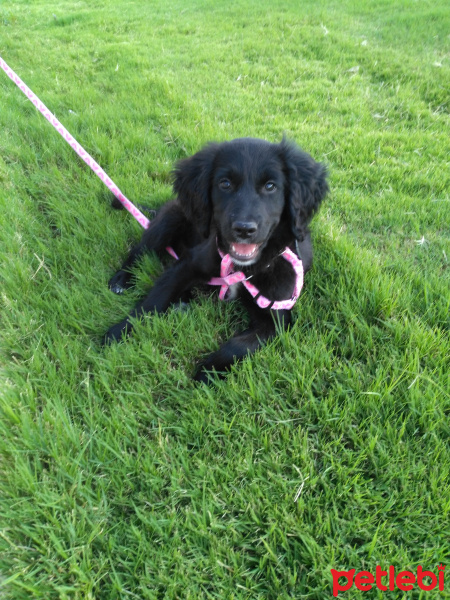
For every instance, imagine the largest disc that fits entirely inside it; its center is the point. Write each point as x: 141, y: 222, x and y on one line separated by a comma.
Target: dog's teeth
x: 240, y: 253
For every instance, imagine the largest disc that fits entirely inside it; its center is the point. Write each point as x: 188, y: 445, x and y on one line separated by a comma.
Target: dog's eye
x: 270, y: 186
x: 225, y: 184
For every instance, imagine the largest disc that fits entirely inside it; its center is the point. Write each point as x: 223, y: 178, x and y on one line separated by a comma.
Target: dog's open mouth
x: 243, y: 253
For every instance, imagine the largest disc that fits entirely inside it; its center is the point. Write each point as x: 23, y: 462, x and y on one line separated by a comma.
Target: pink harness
x: 227, y: 275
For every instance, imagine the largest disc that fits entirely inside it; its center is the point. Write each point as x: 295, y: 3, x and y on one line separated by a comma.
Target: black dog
x: 247, y: 199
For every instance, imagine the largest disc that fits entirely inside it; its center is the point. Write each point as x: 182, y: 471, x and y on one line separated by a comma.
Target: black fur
x: 250, y: 197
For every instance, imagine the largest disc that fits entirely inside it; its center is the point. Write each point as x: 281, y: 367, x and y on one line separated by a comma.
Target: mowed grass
x: 119, y: 477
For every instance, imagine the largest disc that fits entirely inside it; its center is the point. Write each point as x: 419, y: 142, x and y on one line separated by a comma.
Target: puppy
x: 239, y: 220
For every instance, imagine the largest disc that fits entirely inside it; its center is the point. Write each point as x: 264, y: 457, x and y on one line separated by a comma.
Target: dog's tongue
x: 244, y: 249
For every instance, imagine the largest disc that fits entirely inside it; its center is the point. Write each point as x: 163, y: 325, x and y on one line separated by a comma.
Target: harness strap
x: 229, y: 277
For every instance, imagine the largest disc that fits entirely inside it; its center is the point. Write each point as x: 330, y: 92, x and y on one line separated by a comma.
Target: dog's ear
x: 192, y: 184
x: 306, y: 186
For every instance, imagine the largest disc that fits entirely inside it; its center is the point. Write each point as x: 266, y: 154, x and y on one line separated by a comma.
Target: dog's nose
x: 244, y: 229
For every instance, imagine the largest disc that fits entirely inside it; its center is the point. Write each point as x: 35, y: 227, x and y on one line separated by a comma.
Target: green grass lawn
x: 119, y: 477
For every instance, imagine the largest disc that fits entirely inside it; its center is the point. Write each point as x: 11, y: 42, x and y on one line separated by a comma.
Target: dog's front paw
x: 206, y: 373
x: 117, y: 332
x: 203, y: 376
x: 120, y: 282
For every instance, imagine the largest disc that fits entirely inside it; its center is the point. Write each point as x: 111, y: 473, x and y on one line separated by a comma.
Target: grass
x: 119, y: 477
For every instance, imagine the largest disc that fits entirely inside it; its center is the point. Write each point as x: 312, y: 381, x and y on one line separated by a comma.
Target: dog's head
x: 247, y: 188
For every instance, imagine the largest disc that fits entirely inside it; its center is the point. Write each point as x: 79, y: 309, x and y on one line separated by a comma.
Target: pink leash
x: 141, y: 218
x: 228, y: 277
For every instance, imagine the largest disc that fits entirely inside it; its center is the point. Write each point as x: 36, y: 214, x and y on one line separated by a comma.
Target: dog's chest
x: 234, y: 291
